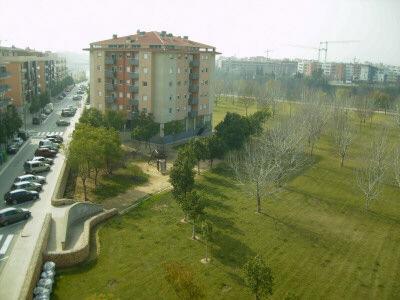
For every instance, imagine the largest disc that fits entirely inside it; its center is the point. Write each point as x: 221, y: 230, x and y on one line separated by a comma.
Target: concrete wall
x: 97, y: 100
x: 57, y: 199
x: 73, y: 257
x: 35, y: 267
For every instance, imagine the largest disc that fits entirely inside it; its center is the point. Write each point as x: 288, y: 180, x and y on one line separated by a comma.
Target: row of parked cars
x: 17, y: 142
x: 28, y: 186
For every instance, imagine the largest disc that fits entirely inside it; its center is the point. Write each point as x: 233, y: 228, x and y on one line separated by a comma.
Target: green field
x: 315, y: 235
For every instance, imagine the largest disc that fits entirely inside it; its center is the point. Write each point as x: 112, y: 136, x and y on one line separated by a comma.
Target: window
x: 121, y: 107
x: 144, y: 98
x: 128, y: 55
x: 99, y: 93
x: 121, y: 94
x: 178, y: 96
x: 206, y: 70
x: 185, y: 96
x: 170, y: 83
x: 186, y: 70
x: 145, y: 70
x: 99, y: 54
x: 128, y: 69
x: 128, y: 81
x: 98, y: 80
x: 99, y: 68
x: 170, y: 70
x: 145, y: 55
x: 206, y: 82
x: 170, y: 110
x: 120, y: 55
x: 128, y: 95
x: 121, y: 82
x: 178, y: 83
x: 179, y: 70
x: 120, y: 68
x: 177, y: 109
x: 144, y: 83
x: 170, y: 97
x: 144, y: 110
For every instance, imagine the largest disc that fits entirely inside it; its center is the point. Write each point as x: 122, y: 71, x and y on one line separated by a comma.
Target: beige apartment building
x: 25, y: 73
x: 167, y: 76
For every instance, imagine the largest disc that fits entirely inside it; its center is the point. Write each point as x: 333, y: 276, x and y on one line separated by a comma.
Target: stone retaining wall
x: 35, y: 267
x: 73, y: 257
x: 57, y: 199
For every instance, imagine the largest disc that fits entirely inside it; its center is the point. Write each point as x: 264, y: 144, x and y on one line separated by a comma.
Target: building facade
x: 167, y: 76
x: 28, y: 73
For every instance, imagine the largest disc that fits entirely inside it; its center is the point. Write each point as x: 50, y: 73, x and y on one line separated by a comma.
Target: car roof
x: 30, y: 162
x: 22, y: 182
x: 25, y: 176
x: 4, y: 210
x: 17, y: 191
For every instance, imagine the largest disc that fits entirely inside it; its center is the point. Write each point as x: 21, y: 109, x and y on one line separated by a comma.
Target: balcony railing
x: 193, y: 76
x: 4, y: 88
x: 134, y: 88
x: 133, y: 61
x: 110, y: 60
x: 193, y: 100
x: 192, y: 114
x: 193, y: 88
x: 110, y: 99
x: 110, y: 74
x: 194, y: 63
x: 133, y: 75
x: 4, y: 74
x: 110, y: 87
x: 134, y: 102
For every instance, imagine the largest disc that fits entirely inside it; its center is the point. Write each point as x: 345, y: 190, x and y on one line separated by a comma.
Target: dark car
x: 62, y: 122
x: 45, y: 160
x: 80, y: 92
x: 23, y: 135
x: 12, y: 215
x: 67, y: 112
x: 54, y: 141
x: 77, y: 98
x: 19, y: 196
x: 56, y: 137
x: 64, y: 94
x: 36, y: 121
x: 45, y: 152
x: 60, y: 97
x: 12, y: 149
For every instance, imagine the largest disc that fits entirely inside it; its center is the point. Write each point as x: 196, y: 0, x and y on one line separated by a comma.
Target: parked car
x: 12, y: 149
x: 62, y: 122
x: 77, y: 98
x: 18, y: 141
x: 54, y: 141
x: 27, y: 185
x: 48, y: 144
x: 80, y: 92
x: 60, y: 97
x: 66, y: 112
x: 43, y: 117
x: 46, y: 152
x: 36, y: 121
x: 23, y: 135
x: 31, y: 178
x: 33, y: 167
x: 45, y: 160
x: 57, y: 137
x: 11, y: 215
x: 19, y: 196
x: 64, y: 94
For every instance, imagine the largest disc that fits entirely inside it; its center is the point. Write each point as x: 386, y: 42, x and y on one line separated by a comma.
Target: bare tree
x: 342, y: 132
x: 370, y: 177
x: 364, y: 108
x: 314, y: 118
x: 266, y: 163
x: 396, y: 165
x: 396, y: 115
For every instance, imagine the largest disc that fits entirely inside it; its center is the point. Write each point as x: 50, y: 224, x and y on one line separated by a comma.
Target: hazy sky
x: 242, y: 28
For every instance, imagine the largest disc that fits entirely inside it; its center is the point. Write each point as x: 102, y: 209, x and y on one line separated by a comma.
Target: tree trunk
x: 258, y: 199
x: 193, y: 231
x: 246, y: 109
x: 342, y: 161
x: 84, y: 188
x: 96, y: 172
x: 198, y: 167
x: 206, y: 250
x: 211, y: 163
x: 312, y: 149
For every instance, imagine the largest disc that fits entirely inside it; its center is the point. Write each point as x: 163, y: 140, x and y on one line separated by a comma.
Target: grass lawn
x: 315, y: 235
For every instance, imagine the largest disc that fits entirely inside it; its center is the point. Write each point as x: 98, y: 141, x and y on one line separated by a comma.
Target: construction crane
x: 268, y: 51
x: 323, y: 46
x: 309, y: 47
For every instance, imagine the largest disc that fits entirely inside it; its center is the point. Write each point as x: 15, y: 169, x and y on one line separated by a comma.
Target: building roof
x: 145, y: 39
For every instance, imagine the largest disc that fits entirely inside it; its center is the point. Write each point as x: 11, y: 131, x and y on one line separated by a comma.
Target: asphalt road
x: 14, y: 168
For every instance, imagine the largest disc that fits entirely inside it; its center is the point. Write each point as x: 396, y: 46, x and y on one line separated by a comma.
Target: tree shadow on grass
x: 224, y: 223
x: 209, y: 189
x: 229, y: 251
x: 219, y: 181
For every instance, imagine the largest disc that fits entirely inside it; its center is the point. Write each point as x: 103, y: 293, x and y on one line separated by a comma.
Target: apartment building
x: 308, y: 67
x: 4, y: 87
x: 154, y: 72
x: 28, y: 73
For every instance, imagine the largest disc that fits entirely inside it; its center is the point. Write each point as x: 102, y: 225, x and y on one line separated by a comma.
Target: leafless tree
x: 266, y: 163
x: 370, y: 177
x: 396, y: 165
x: 396, y: 115
x: 364, y: 108
x: 342, y: 131
x: 314, y: 119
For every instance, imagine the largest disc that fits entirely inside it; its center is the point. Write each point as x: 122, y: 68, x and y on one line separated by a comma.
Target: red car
x: 45, y: 152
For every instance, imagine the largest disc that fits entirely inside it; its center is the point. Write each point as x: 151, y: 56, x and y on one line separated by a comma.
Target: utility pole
x: 268, y: 51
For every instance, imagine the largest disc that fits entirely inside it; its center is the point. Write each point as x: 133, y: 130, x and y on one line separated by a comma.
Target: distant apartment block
x: 154, y: 72
x: 25, y: 73
x: 252, y: 67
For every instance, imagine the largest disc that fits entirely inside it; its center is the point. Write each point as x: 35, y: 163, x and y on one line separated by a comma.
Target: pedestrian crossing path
x: 5, y: 241
x: 44, y: 133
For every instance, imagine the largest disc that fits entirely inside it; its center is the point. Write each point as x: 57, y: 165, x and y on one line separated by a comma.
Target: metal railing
x: 133, y: 75
x: 133, y: 61
x: 134, y: 88
x: 194, y: 63
x: 194, y: 76
x: 192, y: 114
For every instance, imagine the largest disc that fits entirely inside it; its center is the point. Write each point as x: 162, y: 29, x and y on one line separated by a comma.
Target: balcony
x: 133, y: 75
x: 110, y: 74
x: 110, y: 60
x: 194, y: 76
x: 193, y: 100
x: 4, y: 74
x: 192, y: 114
x: 194, y: 63
x: 110, y: 87
x: 134, y: 88
x: 24, y: 70
x: 4, y: 88
x: 110, y: 99
x: 193, y: 88
x: 134, y: 102
x: 133, y: 61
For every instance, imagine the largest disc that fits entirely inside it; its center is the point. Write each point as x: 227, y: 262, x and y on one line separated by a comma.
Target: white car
x: 18, y: 141
x: 31, y: 178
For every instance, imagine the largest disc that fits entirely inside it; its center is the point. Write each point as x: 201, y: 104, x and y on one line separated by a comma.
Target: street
x: 11, y: 235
